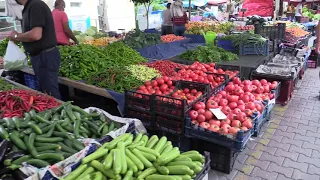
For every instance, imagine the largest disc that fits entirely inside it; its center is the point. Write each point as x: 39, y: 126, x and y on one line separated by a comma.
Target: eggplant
x: 19, y: 175
x: 3, y: 149
x: 6, y: 170
x: 12, y: 156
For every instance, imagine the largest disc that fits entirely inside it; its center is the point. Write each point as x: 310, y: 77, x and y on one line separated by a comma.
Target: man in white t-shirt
x: 298, y: 13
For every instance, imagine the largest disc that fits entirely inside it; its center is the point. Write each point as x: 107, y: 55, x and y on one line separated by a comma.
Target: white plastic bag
x: 14, y: 58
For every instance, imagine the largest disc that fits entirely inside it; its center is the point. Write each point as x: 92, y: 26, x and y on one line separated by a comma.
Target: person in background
x: 290, y: 11
x: 166, y: 27
x: 61, y: 24
x: 298, y: 12
x: 179, y: 18
x: 231, y: 8
x: 40, y: 43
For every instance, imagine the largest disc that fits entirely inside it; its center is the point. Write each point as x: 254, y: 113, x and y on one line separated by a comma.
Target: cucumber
x: 17, y: 122
x: 76, y: 173
x: 131, y: 165
x: 135, y: 159
x: 77, y: 144
x: 128, y: 175
x: 46, y: 129
x: 167, y: 157
x: 96, y: 155
x: 144, y: 160
x: 138, y: 138
x: 3, y: 133
x: 114, y: 142
x: 117, y: 161
x: 49, y: 140
x: 35, y: 128
x: 147, y: 172
x: 30, y: 145
x: 76, y: 129
x: 38, y: 163
x: 17, y: 141
x: 148, y: 150
x: 21, y: 160
x: 66, y: 148
x: 108, y: 160
x: 160, y: 177
x: 180, y: 170
x: 89, y: 170
x: 62, y: 135
x: 52, y: 156
x: 160, y: 144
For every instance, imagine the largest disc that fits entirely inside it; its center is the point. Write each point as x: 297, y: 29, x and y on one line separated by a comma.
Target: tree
x: 146, y: 4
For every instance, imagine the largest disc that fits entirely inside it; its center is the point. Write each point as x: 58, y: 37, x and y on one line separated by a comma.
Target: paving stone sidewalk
x: 289, y: 145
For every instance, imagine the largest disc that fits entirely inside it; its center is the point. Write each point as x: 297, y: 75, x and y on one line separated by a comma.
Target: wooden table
x: 72, y: 84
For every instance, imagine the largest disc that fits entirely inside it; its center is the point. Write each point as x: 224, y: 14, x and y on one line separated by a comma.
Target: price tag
x: 218, y: 113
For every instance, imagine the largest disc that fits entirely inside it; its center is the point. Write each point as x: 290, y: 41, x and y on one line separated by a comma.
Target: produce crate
x: 222, y: 158
x: 236, y: 142
x: 254, y: 49
x: 170, y: 112
x: 286, y: 88
x: 134, y: 99
x: 260, y: 121
x: 147, y: 118
x: 272, y: 32
x: 304, y: 20
x: 226, y: 45
x: 312, y: 64
x: 31, y: 81
x: 184, y: 143
x: 230, y: 68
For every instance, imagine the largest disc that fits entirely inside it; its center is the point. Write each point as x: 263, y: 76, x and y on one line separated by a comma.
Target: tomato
x: 248, y: 112
x: 186, y: 90
x: 247, y: 82
x: 272, y: 86
x: 195, y: 122
x: 196, y: 106
x: 160, y: 81
x: 208, y: 114
x: 152, y: 91
x: 194, y: 91
x: 240, y: 102
x: 247, y: 88
x: 163, y: 87
x: 201, y: 118
x: 211, y: 104
x: 236, y: 80
x: 241, y: 107
x: 203, y: 105
x: 256, y: 82
x: 229, y: 88
x: 263, y: 81
x: 225, y: 121
x: 232, y: 105
x: 237, y: 110
x: 247, y: 124
x: 165, y: 78
x: 223, y: 93
x: 224, y: 130
x: 271, y: 96
x: 223, y: 102
x: 231, y: 116
x: 215, y: 122
x: 204, y: 125
x: 199, y: 93
x: 259, y: 107
x: 214, y: 128
x: 236, y: 123
x: 233, y: 130
x: 266, y: 88
x: 250, y: 106
x: 154, y: 83
x: 158, y: 92
x: 193, y: 114
x: 226, y: 110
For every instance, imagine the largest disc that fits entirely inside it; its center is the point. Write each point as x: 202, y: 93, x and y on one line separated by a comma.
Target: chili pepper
x: 31, y: 100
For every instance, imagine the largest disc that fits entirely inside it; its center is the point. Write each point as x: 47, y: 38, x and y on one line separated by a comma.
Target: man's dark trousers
x: 46, y: 67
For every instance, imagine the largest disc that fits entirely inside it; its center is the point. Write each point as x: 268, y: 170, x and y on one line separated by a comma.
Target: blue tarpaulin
x: 196, y: 38
x: 164, y: 50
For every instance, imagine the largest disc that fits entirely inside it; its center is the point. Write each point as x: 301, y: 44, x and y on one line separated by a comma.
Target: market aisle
x: 289, y: 147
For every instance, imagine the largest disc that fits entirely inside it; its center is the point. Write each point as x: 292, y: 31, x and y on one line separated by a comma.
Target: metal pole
x: 189, y: 10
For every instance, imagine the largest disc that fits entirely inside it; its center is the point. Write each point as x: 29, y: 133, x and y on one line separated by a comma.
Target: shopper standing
x: 40, y: 42
x: 298, y: 13
x: 166, y: 27
x: 61, y: 24
x: 179, y: 18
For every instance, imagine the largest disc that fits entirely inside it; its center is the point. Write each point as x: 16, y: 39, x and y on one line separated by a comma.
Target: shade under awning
x: 217, y: 2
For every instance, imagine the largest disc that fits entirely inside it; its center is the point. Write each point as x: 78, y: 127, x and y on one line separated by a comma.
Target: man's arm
x: 34, y: 35
x: 69, y: 33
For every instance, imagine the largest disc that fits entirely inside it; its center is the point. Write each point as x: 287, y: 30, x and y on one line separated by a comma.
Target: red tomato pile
x: 238, y: 102
x: 159, y: 86
x: 188, y: 94
x: 211, y: 69
x: 171, y: 38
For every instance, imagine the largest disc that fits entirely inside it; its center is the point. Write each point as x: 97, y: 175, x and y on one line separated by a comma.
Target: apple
x: 201, y: 111
x: 244, y: 128
x: 247, y: 124
x: 233, y: 105
x: 215, y: 122
x: 237, y: 110
x: 211, y: 104
x: 241, y: 116
x: 233, y: 130
x: 208, y: 114
x: 204, y: 125
x: 225, y: 121
x: 235, y: 123
x: 195, y: 122
x: 214, y: 128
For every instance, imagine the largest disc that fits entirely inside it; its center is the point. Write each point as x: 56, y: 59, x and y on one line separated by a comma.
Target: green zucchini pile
x: 141, y: 157
x: 51, y: 136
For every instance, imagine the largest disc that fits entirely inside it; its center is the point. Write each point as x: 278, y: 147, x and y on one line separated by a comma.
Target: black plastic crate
x: 147, y: 118
x: 170, y: 112
x: 230, y: 68
x: 134, y: 99
x: 237, y: 142
x: 222, y: 158
x: 272, y: 32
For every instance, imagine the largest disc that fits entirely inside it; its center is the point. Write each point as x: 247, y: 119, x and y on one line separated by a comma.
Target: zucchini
x: 17, y: 141
x: 51, y: 156
x: 77, y: 144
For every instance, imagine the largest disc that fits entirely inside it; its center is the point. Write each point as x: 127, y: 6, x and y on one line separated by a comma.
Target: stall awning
x: 217, y: 2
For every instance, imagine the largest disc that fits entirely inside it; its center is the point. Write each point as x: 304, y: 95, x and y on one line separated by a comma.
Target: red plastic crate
x: 312, y: 64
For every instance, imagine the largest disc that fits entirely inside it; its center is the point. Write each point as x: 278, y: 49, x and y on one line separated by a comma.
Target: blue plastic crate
x: 31, y: 81
x: 260, y: 121
x: 226, y: 45
x: 254, y: 49
x: 236, y: 143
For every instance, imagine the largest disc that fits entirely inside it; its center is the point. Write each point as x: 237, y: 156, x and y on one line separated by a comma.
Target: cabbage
x: 316, y: 17
x: 88, y: 38
x: 90, y: 32
x: 80, y: 38
x: 94, y: 28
